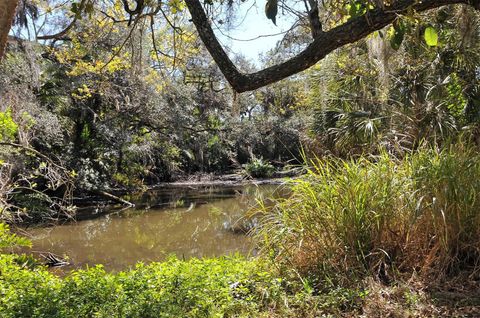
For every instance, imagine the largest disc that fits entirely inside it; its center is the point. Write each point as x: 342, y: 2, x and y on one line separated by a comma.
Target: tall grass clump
x: 445, y: 229
x: 350, y: 218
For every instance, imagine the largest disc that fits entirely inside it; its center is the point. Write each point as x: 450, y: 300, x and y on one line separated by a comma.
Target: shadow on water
x: 185, y: 221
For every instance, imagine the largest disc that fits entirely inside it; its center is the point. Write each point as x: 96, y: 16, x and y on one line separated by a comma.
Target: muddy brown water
x: 186, y: 222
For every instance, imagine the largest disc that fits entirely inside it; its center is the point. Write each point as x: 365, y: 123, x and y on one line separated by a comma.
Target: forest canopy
x: 331, y: 24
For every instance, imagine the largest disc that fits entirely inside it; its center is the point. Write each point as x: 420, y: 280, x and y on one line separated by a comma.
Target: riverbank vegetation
x: 196, y: 288
x: 371, y: 237
x: 125, y: 135
x: 384, y: 222
x: 380, y: 216
x: 393, y: 220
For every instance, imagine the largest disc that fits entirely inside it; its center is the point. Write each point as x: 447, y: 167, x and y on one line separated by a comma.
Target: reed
x: 379, y: 216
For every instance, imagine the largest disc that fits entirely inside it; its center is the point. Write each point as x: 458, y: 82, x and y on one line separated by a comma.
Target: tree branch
x: 324, y: 43
x: 315, y: 24
x: 62, y: 33
x: 131, y: 12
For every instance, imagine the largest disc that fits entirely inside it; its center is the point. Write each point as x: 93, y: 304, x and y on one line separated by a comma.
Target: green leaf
x: 271, y: 10
x: 396, y: 40
x: 431, y: 36
x: 356, y: 8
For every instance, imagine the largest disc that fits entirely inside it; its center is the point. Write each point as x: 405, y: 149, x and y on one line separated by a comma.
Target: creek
x: 186, y: 221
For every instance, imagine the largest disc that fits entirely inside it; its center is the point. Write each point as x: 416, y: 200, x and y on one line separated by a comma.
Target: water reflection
x: 188, y: 222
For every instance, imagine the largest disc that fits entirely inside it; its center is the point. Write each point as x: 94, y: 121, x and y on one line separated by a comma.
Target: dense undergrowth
x: 57, y: 144
x: 220, y: 287
x: 197, y: 288
x: 371, y: 237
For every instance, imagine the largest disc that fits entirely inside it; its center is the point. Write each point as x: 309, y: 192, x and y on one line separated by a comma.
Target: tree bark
x: 315, y: 24
x: 323, y: 43
x: 7, y: 13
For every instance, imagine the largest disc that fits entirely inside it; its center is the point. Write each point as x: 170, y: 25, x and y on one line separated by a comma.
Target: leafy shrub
x: 259, y: 168
x: 8, y: 127
x: 196, y: 288
x: 8, y: 239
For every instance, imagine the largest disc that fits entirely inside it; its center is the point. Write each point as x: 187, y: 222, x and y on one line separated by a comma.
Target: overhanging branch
x: 324, y: 43
x: 62, y: 33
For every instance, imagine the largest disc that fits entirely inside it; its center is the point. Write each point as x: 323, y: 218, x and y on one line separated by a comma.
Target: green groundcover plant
x: 220, y: 287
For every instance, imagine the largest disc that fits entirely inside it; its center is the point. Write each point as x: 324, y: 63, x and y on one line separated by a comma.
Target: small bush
x: 259, y: 168
x: 8, y: 239
x: 8, y: 127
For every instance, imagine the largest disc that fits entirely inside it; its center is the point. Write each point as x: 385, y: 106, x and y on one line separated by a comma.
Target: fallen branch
x: 113, y: 197
x: 52, y: 260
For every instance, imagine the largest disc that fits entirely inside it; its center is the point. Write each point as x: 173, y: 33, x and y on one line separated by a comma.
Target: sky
x: 254, y: 25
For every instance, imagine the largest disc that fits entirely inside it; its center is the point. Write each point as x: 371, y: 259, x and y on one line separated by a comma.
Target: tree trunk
x: 7, y: 13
